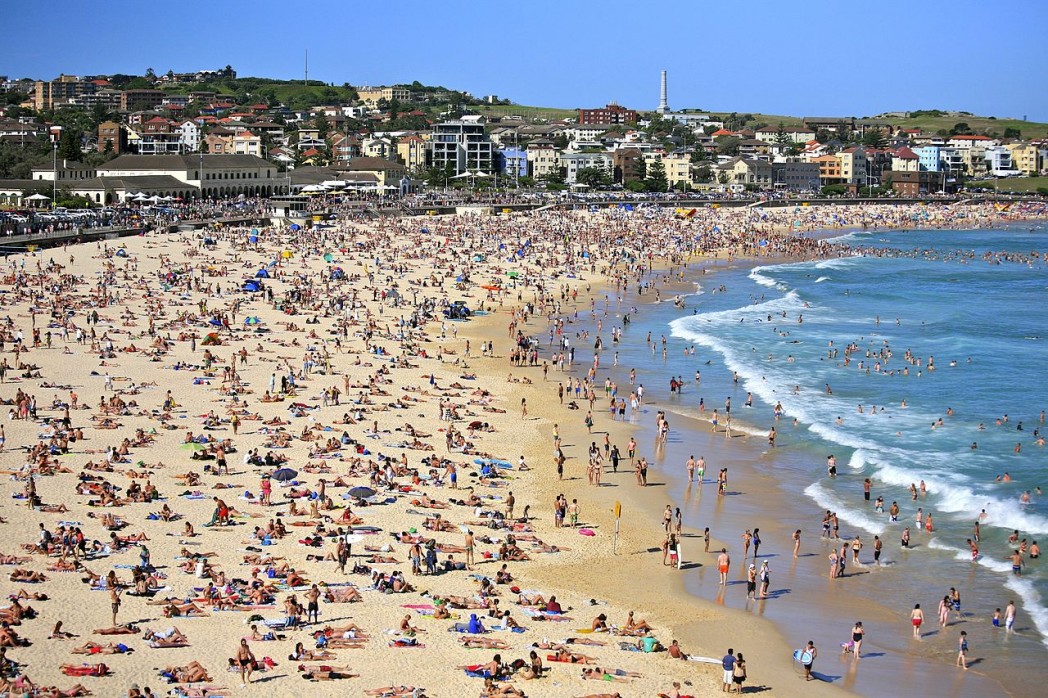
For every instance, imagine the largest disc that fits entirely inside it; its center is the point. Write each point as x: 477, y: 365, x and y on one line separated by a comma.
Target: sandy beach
x: 135, y: 368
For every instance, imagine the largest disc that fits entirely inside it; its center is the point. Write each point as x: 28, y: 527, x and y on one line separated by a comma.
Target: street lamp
x: 54, y: 168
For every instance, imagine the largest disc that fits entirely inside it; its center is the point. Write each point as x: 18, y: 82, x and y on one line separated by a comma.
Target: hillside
x: 928, y: 121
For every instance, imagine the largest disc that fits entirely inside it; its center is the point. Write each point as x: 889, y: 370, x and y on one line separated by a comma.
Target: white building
x: 190, y: 131
x: 573, y: 162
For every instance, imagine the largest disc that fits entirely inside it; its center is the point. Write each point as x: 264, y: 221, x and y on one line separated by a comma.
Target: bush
x: 834, y: 190
x: 1043, y: 191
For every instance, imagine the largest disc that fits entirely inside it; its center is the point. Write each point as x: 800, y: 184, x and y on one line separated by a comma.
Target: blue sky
x: 820, y: 57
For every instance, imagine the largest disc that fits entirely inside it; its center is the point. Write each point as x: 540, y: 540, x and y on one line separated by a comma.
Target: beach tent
x: 252, y: 320
x: 295, y: 227
x: 337, y: 274
x: 262, y: 274
x: 393, y: 293
x: 252, y: 286
x: 211, y: 340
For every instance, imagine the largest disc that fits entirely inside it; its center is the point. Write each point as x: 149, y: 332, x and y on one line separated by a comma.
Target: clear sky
x: 819, y: 58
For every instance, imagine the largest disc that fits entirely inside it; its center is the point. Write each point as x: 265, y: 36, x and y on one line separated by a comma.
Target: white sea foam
x: 758, y: 277
x: 821, y: 279
x: 836, y: 263
x: 827, y: 499
x: 857, y: 460
x: 1032, y: 603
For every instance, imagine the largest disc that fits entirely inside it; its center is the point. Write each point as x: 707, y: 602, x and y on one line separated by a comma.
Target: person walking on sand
x: 469, y: 546
x: 246, y: 661
x: 858, y: 633
x: 962, y: 651
x: 916, y: 618
x: 723, y: 563
x: 808, y: 655
x: 114, y: 601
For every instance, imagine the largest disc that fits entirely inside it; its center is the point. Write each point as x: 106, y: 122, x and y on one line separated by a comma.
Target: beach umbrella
x: 296, y: 227
x: 328, y: 257
x: 193, y: 446
x: 361, y: 492
x: 284, y: 474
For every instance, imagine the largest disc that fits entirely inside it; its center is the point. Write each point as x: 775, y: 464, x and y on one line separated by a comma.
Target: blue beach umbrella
x: 284, y: 474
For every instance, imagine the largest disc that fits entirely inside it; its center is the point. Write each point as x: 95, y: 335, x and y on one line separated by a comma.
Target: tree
x: 560, y: 141
x: 640, y: 168
x: 960, y: 128
x: 555, y: 176
x: 1012, y: 133
x: 150, y: 74
x: 699, y: 155
x: 781, y: 137
x: 703, y: 173
x: 69, y: 145
x: 874, y: 138
x: 321, y: 125
x: 99, y: 113
x: 728, y: 145
x: 656, y: 179
x: 593, y: 177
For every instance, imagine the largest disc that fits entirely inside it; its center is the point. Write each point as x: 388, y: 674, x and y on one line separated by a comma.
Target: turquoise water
x: 948, y: 298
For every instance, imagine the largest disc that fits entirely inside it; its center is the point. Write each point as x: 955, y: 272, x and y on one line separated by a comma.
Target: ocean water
x: 943, y: 325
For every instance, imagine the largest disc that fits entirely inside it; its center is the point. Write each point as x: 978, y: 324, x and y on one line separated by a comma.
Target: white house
x: 190, y: 137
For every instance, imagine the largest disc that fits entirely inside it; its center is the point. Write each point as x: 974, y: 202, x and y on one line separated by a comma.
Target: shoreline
x: 769, y: 657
